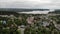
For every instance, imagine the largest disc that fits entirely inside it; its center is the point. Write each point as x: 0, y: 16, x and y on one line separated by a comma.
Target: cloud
x: 51, y: 4
x: 35, y: 12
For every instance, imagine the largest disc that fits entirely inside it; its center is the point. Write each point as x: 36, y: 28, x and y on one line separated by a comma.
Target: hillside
x: 21, y: 10
x: 56, y: 11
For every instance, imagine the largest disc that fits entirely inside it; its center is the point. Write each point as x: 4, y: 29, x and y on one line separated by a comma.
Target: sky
x: 34, y: 4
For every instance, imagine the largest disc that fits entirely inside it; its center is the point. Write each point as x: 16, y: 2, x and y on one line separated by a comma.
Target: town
x: 29, y: 23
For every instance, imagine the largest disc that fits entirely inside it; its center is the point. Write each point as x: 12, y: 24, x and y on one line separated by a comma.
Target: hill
x: 55, y: 12
x: 21, y: 10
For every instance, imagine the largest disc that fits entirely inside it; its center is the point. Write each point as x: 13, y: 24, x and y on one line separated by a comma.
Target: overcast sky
x: 51, y: 4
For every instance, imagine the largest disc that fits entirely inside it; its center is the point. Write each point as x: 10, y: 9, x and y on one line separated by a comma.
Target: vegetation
x: 11, y: 25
